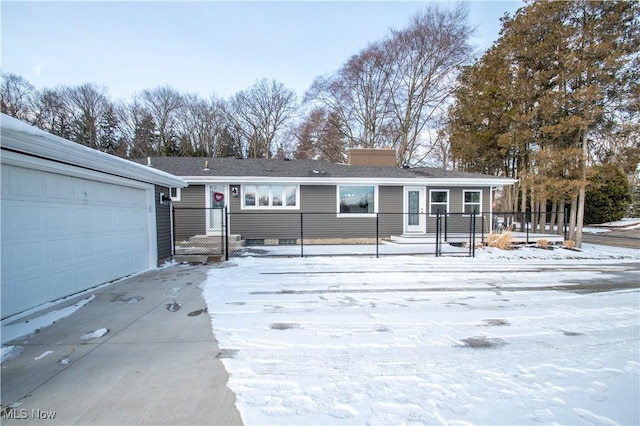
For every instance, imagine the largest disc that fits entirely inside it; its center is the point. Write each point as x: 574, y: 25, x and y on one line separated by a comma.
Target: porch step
x: 413, y: 239
x: 206, y: 245
x: 206, y: 239
x: 430, y: 239
x: 197, y: 258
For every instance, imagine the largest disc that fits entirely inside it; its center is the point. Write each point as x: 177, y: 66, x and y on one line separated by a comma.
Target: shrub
x: 608, y: 195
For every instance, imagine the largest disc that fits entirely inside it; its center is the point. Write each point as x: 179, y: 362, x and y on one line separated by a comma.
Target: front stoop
x: 206, y: 245
x: 197, y: 258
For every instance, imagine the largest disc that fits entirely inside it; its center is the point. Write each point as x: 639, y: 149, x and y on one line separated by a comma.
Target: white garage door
x: 64, y: 234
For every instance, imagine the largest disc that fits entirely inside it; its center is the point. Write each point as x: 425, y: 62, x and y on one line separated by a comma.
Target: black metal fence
x: 198, y: 231
x: 218, y: 232
x: 303, y: 234
x: 531, y: 225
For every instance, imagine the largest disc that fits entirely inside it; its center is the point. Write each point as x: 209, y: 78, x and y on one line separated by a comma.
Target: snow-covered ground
x: 526, y: 336
x: 626, y: 223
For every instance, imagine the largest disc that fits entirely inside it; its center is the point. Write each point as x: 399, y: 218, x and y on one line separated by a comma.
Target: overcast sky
x: 203, y: 47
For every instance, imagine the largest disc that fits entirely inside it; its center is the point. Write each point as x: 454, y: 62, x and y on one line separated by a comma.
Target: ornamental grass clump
x: 503, y: 240
x: 542, y: 243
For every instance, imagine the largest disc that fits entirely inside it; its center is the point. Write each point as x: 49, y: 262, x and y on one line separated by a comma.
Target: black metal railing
x: 199, y: 231
x: 219, y: 232
x: 304, y: 234
x: 531, y: 225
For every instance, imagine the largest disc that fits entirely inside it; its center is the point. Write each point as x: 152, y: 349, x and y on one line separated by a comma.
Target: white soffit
x: 466, y: 182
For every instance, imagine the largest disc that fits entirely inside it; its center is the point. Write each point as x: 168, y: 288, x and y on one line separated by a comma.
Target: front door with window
x: 216, y: 201
x: 415, y: 210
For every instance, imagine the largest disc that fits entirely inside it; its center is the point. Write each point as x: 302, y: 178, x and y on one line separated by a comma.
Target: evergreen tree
x: 229, y: 145
x: 145, y: 139
x: 556, y: 78
x: 109, y: 138
x: 608, y: 195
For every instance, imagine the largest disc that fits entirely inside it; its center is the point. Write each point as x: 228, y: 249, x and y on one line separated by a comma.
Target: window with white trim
x: 472, y: 201
x: 270, y: 196
x: 175, y: 194
x: 438, y: 201
x: 357, y: 199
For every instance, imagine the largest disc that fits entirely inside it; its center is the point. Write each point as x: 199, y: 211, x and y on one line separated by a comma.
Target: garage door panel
x: 83, y: 248
x: 23, y: 219
x: 60, y: 251
x: 24, y: 257
x: 59, y: 218
x: 108, y: 245
x: 128, y: 198
x: 104, y: 218
x: 59, y: 282
x: 23, y: 184
x: 83, y: 218
x: 58, y: 188
x: 55, y: 244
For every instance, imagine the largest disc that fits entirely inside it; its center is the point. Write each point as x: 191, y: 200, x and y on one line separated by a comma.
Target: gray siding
x: 318, y: 203
x: 391, y: 209
x: 189, y: 213
x: 163, y: 226
x: 319, y: 217
x: 192, y: 196
x: 457, y: 222
x: 235, y: 202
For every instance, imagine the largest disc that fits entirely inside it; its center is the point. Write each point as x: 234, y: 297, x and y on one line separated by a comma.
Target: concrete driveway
x: 156, y: 365
x: 626, y: 238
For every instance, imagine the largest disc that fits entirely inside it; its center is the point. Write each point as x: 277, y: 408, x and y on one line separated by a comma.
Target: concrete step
x: 197, y: 258
x: 209, y: 238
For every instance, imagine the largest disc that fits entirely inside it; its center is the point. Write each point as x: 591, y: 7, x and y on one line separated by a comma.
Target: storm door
x: 414, y: 209
x: 216, y: 201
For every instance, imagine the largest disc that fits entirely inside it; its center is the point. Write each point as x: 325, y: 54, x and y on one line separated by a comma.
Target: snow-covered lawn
x: 527, y: 336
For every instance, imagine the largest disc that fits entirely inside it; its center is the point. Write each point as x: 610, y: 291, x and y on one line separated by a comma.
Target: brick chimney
x: 372, y: 157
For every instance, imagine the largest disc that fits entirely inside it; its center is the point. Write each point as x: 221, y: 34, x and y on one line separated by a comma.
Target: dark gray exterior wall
x: 319, y: 220
x: 163, y: 226
x: 189, y: 213
x: 457, y: 222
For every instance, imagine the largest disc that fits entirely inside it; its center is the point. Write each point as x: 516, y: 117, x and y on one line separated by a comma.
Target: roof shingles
x: 273, y: 167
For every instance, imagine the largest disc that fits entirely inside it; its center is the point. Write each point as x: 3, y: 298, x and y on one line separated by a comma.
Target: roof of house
x: 19, y: 138
x: 199, y: 169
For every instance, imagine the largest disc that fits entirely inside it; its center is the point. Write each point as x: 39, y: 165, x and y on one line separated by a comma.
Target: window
x: 438, y: 201
x: 264, y: 196
x: 357, y: 199
x: 270, y: 196
x: 472, y: 201
x: 175, y: 194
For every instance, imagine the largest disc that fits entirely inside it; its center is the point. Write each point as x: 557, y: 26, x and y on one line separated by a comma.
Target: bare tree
x: 52, y: 113
x: 139, y: 129
x: 259, y: 114
x: 86, y: 103
x: 318, y: 137
x: 425, y: 57
x: 163, y: 103
x: 358, y: 98
x: 18, y: 97
x: 200, y: 125
x: 392, y: 92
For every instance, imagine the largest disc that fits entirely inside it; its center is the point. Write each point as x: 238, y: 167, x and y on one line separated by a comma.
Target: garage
x: 72, y: 217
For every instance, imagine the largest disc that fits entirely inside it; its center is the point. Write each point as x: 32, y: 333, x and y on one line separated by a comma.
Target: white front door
x: 216, y: 201
x: 415, y: 208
